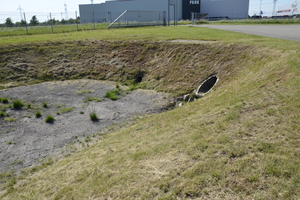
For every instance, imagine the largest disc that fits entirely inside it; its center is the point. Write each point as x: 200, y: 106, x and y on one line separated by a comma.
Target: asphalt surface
x: 287, y: 32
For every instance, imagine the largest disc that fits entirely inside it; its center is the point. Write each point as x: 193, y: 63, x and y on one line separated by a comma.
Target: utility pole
x: 274, y: 8
x: 66, y: 12
x: 20, y: 9
x: 260, y: 9
x: 26, y: 24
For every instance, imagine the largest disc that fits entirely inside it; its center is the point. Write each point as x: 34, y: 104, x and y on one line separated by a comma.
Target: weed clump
x: 38, y: 114
x: 2, y: 114
x: 49, y: 119
x: 88, y: 98
x: 113, y: 94
x: 93, y: 116
x: 64, y: 110
x: 45, y: 105
x: 10, y: 119
x: 4, y: 100
x: 17, y: 104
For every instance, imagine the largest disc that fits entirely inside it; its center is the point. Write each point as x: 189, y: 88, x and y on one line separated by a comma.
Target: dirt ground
x: 30, y: 140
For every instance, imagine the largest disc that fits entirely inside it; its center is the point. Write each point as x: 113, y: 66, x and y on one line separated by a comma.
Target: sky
x: 42, y: 9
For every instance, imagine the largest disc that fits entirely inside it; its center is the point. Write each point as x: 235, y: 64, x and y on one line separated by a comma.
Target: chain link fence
x: 46, y: 23
x: 131, y: 18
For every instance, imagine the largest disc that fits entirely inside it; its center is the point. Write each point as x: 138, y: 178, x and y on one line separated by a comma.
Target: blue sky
x: 9, y: 8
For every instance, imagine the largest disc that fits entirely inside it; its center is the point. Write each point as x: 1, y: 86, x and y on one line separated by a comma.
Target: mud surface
x: 28, y: 140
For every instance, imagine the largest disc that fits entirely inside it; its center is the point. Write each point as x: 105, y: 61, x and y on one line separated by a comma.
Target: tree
x: 63, y: 21
x: 23, y: 22
x: 34, y: 21
x: 8, y: 22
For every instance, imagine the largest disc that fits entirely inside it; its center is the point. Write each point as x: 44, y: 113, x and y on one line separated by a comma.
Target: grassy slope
x: 241, y: 141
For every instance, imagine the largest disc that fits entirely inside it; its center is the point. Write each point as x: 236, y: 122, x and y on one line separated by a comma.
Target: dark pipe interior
x: 208, y: 84
x: 138, y: 78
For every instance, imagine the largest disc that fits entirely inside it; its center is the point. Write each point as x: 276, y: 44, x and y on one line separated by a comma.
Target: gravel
x: 28, y: 140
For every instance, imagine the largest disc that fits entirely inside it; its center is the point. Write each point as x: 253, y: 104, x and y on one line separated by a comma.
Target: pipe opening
x: 207, y: 85
x: 138, y: 77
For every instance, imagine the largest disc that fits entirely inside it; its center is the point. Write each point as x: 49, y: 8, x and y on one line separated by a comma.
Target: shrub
x: 49, y: 119
x: 17, y: 104
x: 38, y: 114
x: 81, y: 112
x: 94, y: 116
x: 28, y: 105
x: 45, y: 105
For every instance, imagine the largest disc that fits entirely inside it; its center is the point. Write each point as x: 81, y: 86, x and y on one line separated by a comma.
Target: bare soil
x: 30, y: 140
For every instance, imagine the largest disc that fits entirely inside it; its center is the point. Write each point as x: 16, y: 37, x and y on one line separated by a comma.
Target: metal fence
x: 131, y: 18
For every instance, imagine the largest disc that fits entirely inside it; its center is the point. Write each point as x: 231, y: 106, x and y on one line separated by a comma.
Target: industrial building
x: 174, y: 9
x: 291, y: 9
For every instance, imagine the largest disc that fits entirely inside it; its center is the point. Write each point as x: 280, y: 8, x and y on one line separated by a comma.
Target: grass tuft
x: 2, y: 114
x: 10, y: 119
x: 64, y: 110
x: 45, y: 105
x: 17, y: 104
x: 38, y: 114
x: 4, y: 100
x: 49, y: 119
x: 113, y: 94
x: 93, y: 116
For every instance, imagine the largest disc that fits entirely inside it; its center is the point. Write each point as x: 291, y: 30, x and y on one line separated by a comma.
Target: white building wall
x: 289, y: 9
x: 233, y: 9
x: 116, y: 8
x: 90, y: 13
x: 110, y: 10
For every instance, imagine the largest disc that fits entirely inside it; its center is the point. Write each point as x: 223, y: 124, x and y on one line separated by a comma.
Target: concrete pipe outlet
x: 206, y: 86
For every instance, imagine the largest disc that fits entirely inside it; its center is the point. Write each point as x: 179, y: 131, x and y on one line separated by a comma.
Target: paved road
x: 287, y: 32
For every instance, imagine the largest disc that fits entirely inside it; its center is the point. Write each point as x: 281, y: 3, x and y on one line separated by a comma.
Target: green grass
x: 34, y: 30
x: 10, y: 119
x: 114, y: 94
x: 17, y: 104
x: 38, y: 114
x: 88, y: 98
x: 49, y: 119
x: 94, y: 116
x: 64, y: 110
x: 2, y: 114
x: 4, y: 100
x: 45, y: 105
x: 82, y: 28
x: 240, y: 141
